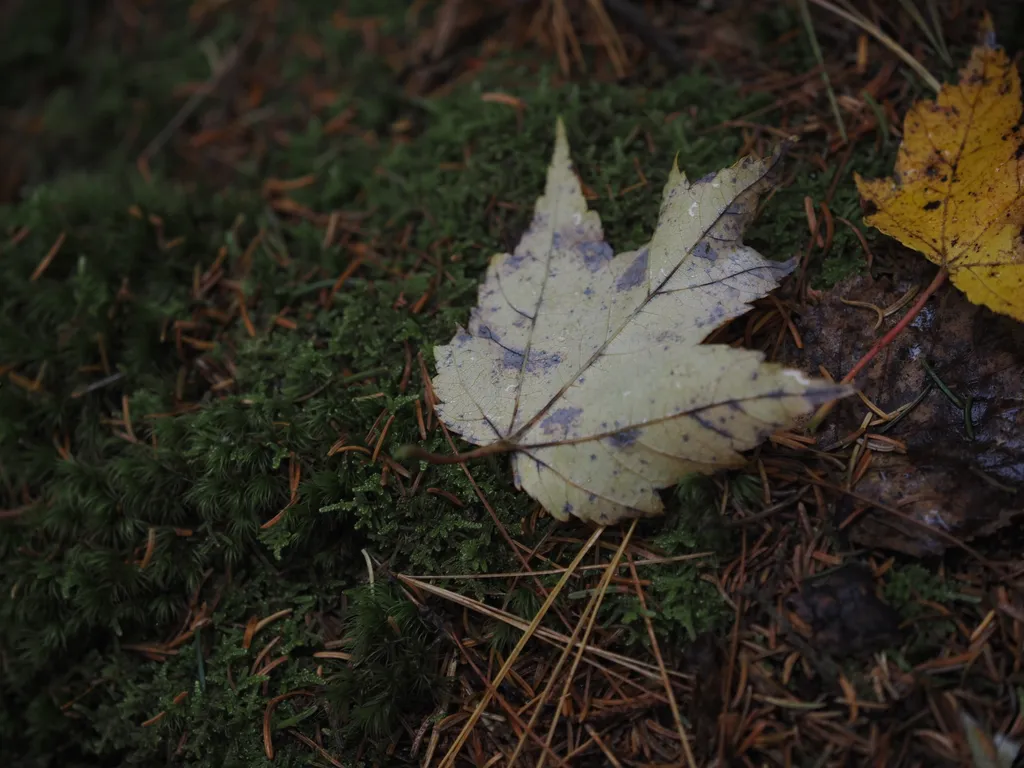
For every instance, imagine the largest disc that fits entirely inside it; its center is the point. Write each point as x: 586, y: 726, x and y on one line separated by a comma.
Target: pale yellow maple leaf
x: 589, y: 366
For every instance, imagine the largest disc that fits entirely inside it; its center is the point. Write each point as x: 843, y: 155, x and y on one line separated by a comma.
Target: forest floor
x: 231, y: 235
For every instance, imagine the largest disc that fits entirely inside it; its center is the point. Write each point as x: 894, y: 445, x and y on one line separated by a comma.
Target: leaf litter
x: 589, y: 365
x: 959, y: 459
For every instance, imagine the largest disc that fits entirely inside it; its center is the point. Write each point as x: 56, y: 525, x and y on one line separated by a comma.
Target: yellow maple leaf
x: 957, y: 193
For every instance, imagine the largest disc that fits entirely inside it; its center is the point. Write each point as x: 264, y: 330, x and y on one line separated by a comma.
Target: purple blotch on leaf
x: 542, y: 361
x: 539, y: 361
x: 563, y: 418
x: 596, y: 255
x: 485, y: 332
x: 703, y: 250
x: 635, y: 274
x: 707, y: 177
x: 567, y: 508
x: 512, y: 359
x: 516, y: 259
x: 625, y: 438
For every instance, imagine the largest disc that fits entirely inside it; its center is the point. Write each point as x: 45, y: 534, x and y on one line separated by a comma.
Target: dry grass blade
x: 932, y: 31
x: 872, y: 29
x: 805, y: 15
x: 460, y: 740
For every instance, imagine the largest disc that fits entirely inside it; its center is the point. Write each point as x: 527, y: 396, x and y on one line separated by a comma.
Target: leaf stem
x: 416, y: 452
x: 882, y: 343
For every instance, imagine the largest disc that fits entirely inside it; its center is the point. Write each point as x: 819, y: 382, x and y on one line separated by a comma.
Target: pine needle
x: 588, y: 617
x: 449, y: 759
x: 549, y: 636
x: 596, y: 602
x: 691, y: 763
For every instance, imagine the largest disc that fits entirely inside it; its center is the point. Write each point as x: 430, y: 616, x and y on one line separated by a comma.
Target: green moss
x: 905, y: 588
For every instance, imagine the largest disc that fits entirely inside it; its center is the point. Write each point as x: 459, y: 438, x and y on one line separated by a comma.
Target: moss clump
x: 906, y: 589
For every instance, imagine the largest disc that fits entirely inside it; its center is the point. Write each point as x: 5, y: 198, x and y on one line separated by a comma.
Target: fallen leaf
x: 954, y: 480
x: 589, y: 365
x: 986, y: 751
x: 956, y: 196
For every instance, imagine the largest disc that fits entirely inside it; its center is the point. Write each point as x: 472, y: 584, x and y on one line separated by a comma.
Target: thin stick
x: 882, y: 343
x: 406, y: 452
x: 886, y: 340
x: 449, y: 759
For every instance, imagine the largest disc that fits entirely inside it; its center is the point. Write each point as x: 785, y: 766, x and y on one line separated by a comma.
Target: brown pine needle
x: 547, y: 635
x: 595, y: 601
x: 449, y: 759
x: 48, y: 258
x: 588, y: 616
x: 673, y: 704
x: 552, y: 571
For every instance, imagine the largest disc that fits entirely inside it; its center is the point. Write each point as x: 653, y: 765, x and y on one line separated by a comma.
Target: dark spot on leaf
x: 625, y: 438
x: 931, y: 206
x: 512, y: 359
x: 539, y: 361
x: 567, y: 508
x: 711, y: 427
x: 596, y: 255
x: 635, y: 274
x: 703, y: 250
x: 515, y: 260
x: 563, y: 419
x: 542, y: 360
x: 485, y: 332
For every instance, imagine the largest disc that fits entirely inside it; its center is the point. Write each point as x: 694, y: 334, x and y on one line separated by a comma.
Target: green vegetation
x: 123, y: 446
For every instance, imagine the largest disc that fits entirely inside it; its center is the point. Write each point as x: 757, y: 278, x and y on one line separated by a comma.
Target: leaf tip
x: 987, y: 31
x: 561, y: 140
